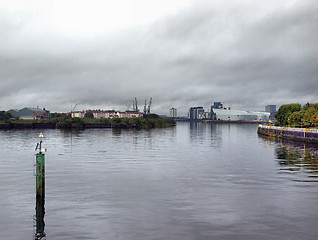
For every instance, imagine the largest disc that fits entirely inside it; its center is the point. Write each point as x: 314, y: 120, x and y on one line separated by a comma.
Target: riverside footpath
x: 298, y: 134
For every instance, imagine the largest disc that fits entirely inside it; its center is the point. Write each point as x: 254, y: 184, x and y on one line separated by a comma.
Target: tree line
x: 5, y: 116
x: 296, y: 115
x: 63, y: 119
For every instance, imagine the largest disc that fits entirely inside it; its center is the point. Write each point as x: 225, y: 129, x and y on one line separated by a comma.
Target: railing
x: 289, y: 128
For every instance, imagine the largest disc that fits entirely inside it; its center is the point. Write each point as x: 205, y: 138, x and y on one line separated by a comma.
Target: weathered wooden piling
x: 40, y: 191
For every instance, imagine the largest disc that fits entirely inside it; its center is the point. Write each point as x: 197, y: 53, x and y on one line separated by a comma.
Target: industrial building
x: 30, y: 113
x: 239, y: 115
x: 196, y: 113
x: 217, y: 105
x: 218, y: 112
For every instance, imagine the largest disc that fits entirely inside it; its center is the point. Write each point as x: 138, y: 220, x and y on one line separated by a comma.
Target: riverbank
x: 297, y: 134
x: 76, y: 124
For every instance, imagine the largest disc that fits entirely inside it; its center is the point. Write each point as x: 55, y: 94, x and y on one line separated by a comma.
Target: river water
x: 193, y: 181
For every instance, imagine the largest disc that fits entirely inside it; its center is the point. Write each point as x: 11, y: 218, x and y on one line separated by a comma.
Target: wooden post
x: 40, y: 175
x: 40, y: 192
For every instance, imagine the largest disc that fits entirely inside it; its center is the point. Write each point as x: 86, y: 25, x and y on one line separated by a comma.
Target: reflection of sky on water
x: 297, y: 160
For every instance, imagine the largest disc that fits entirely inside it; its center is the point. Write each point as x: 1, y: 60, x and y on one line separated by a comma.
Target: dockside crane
x: 136, y: 107
x: 148, y: 110
x: 145, y: 107
x: 73, y: 109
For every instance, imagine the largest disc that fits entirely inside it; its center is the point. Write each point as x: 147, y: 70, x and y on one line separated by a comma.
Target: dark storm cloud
x: 239, y: 55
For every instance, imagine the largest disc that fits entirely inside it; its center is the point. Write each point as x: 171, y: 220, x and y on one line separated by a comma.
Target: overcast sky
x: 182, y: 53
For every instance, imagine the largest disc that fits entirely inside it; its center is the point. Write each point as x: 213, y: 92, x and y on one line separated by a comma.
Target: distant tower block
x: 173, y: 112
x: 272, y: 110
x: 196, y: 113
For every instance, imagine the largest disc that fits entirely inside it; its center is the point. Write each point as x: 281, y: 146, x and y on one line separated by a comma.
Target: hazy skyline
x: 103, y: 54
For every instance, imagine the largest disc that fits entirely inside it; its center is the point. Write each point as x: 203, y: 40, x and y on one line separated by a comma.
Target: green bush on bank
x: 5, y: 116
x: 296, y: 116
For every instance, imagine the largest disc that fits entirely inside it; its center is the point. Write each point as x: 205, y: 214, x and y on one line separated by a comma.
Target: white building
x: 78, y: 114
x: 129, y: 114
x: 239, y: 115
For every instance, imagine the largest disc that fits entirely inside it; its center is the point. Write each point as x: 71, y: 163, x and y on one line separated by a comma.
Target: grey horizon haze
x: 103, y: 54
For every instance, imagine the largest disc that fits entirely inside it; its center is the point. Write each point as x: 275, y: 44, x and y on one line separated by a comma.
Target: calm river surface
x: 193, y: 181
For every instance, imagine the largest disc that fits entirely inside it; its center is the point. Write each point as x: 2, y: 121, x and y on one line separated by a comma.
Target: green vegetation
x: 151, y: 116
x: 285, y: 111
x: 296, y: 116
x: 65, y: 121
x: 58, y: 115
x: 89, y: 115
x: 5, y: 116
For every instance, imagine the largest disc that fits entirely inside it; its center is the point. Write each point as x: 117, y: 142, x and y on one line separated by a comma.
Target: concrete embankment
x: 298, y: 134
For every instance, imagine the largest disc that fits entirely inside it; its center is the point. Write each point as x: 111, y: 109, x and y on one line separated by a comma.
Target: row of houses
x: 106, y: 114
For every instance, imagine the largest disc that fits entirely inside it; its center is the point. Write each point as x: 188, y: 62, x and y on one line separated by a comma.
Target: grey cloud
x: 266, y: 55
x: 194, y: 57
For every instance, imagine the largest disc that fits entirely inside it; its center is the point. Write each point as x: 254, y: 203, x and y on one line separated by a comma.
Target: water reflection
x: 39, y: 218
x: 200, y: 132
x: 296, y: 159
x: 215, y: 135
x: 117, y: 131
x: 196, y: 128
x: 205, y: 181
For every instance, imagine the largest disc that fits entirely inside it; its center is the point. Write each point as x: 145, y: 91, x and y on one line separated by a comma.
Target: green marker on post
x: 40, y: 190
